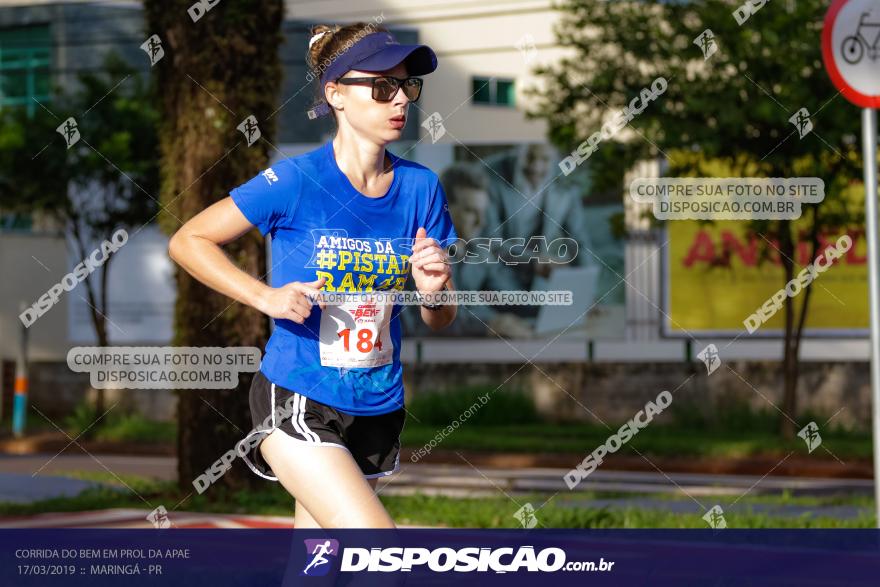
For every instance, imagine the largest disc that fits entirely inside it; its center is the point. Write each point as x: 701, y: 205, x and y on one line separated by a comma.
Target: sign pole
x: 849, y: 60
x: 869, y: 150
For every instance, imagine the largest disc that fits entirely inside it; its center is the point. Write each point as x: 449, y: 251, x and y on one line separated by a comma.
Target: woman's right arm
x: 196, y: 247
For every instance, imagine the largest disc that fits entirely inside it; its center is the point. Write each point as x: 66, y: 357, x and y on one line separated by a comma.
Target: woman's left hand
x: 430, y: 264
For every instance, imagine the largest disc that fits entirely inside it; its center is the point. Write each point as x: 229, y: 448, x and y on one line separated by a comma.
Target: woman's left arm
x: 432, y: 273
x: 443, y: 316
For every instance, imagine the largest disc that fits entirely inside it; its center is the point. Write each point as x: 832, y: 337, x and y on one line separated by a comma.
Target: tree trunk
x: 789, y: 358
x: 100, y: 314
x: 793, y: 337
x: 97, y: 313
x: 216, y: 72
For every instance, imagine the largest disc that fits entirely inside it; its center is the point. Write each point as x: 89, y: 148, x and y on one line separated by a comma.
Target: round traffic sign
x: 851, y: 50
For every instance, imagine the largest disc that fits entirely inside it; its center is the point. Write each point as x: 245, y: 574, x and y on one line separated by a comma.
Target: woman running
x: 346, y: 217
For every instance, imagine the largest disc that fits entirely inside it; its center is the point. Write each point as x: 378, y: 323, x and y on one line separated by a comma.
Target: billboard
x: 516, y: 193
x: 716, y: 276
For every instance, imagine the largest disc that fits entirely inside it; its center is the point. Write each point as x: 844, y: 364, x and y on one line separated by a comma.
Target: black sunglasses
x: 385, y: 87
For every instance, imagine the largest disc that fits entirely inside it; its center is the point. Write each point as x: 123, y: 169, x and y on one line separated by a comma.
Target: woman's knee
x: 374, y: 518
x: 303, y: 519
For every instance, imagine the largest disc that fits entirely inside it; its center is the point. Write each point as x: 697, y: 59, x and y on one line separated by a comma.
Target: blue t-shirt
x: 347, y: 356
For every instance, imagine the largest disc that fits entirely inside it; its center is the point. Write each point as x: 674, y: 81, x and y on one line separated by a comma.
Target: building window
x: 24, y: 67
x: 493, y: 91
x: 12, y: 221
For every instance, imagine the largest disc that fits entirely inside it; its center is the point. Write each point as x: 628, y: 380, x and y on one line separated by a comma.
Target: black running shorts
x: 373, y: 441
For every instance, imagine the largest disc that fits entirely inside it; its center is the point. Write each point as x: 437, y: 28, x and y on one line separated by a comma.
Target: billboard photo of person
x: 466, y: 186
x: 528, y: 200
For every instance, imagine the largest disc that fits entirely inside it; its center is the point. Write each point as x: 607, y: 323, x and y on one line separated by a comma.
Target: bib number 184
x: 365, y: 342
x: 355, y: 334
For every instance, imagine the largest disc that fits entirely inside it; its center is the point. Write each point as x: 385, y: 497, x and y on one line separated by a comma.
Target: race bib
x: 356, y: 334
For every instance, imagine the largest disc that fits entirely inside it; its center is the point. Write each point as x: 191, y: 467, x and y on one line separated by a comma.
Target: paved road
x: 164, y: 468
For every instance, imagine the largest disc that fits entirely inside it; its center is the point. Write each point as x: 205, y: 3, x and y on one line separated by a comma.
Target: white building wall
x: 470, y: 39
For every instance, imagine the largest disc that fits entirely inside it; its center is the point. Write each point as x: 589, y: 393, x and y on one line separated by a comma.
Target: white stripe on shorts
x: 299, y: 421
x: 272, y: 393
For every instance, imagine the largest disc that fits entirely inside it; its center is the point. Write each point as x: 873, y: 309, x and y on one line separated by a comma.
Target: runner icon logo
x: 318, y: 550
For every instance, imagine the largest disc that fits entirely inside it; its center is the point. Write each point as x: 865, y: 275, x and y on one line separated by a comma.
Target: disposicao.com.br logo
x: 443, y: 559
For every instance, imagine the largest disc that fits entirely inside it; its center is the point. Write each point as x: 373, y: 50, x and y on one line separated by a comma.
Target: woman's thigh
x: 327, y: 481
x: 302, y: 519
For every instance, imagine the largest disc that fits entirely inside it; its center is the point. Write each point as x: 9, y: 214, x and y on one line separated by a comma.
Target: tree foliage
x: 728, y: 112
